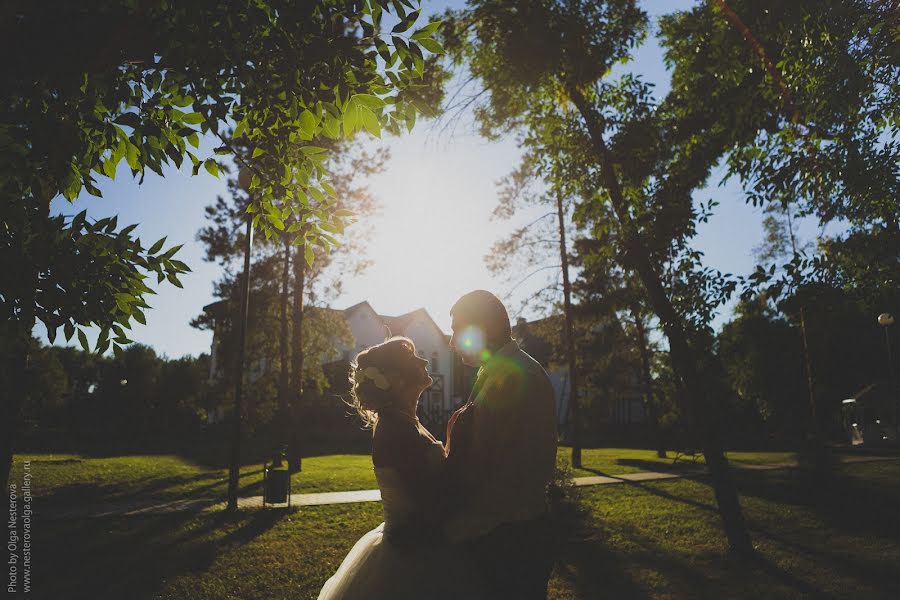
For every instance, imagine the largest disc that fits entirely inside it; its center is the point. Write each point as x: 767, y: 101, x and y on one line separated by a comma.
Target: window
x: 434, y: 362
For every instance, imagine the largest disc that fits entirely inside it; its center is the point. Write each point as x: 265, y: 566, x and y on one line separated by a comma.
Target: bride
x: 406, y: 556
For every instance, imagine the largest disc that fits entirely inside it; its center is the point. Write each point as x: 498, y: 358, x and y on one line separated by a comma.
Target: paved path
x: 349, y: 497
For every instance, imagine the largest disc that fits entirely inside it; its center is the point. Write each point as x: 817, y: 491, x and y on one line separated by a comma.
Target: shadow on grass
x: 151, y: 489
x: 134, y: 557
x: 665, y: 467
x: 639, y: 567
x: 658, y: 491
x: 854, y: 505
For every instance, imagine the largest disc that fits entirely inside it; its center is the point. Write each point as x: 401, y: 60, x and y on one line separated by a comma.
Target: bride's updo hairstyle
x: 374, y: 374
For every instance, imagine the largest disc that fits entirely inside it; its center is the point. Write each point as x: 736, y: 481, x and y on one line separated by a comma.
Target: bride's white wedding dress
x: 399, y: 559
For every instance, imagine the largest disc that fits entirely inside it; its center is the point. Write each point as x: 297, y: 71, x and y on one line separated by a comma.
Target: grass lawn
x: 618, y: 461
x: 637, y: 540
x: 76, y: 478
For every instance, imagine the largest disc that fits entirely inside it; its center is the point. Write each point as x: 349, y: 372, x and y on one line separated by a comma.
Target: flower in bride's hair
x: 377, y: 377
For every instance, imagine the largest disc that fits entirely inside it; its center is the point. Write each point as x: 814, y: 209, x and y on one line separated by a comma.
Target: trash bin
x: 276, y: 482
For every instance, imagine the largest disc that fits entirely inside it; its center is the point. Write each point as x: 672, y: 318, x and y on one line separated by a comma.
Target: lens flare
x: 471, y: 341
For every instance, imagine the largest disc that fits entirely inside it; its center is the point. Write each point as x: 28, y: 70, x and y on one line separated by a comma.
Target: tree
x: 141, y: 80
x: 531, y: 244
x: 821, y: 117
x: 280, y: 273
x: 529, y: 55
x: 546, y: 61
x: 762, y: 354
x: 608, y: 291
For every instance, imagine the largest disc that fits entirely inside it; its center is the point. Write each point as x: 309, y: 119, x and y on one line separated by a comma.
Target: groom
x: 501, y: 449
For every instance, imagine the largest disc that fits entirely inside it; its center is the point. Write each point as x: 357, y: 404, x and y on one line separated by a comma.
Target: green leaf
x: 212, y: 168
x: 68, y: 330
x: 173, y: 279
x: 331, y: 127
x: 123, y: 302
x: 316, y: 193
x: 276, y: 221
x: 431, y: 45
x: 309, y: 255
x: 368, y: 100
x: 82, y: 339
x: 239, y: 130
x: 157, y: 246
x: 109, y: 168
x: 406, y: 22
x: 426, y: 32
x: 193, y: 118
x: 194, y: 140
x: 172, y: 251
x: 383, y: 51
x: 307, y: 124
x: 183, y: 101
x: 410, y: 118
x: 132, y: 156
x: 257, y: 152
x: 312, y: 150
x: 370, y: 122
x: 128, y: 119
x: 352, y: 118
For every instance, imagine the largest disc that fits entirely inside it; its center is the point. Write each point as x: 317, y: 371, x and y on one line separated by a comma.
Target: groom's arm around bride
x: 501, y: 456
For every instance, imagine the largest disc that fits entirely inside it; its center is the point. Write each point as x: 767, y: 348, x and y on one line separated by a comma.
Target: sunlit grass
x: 77, y: 478
x: 156, y: 478
x: 657, y: 540
x: 619, y: 461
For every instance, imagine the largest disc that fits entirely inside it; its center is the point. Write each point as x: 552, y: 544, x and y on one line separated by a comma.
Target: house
x: 543, y: 341
x: 452, y: 379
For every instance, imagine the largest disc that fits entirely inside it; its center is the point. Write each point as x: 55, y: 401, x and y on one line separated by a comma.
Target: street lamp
x: 244, y: 178
x: 886, y: 320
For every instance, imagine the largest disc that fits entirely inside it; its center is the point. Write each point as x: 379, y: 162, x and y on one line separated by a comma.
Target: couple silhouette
x: 466, y: 519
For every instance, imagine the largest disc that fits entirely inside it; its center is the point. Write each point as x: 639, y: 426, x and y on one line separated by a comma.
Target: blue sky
x: 429, y: 236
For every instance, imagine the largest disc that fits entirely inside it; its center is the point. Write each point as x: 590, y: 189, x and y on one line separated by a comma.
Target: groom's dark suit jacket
x: 501, y: 446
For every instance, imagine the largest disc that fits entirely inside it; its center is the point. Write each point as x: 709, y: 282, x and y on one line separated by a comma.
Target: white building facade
x: 370, y: 328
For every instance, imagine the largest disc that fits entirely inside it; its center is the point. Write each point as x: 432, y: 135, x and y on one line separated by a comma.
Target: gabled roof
x: 358, y: 306
x: 398, y: 325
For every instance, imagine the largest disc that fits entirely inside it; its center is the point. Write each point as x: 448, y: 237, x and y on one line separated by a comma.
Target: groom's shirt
x: 509, y: 454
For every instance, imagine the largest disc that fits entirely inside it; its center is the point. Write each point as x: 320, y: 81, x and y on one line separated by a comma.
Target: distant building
x: 452, y: 379
x: 537, y: 339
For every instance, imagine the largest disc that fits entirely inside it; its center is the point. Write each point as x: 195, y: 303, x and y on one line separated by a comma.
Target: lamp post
x: 244, y: 178
x: 886, y: 320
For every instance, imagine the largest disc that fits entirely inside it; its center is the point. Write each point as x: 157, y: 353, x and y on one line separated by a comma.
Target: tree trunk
x: 16, y: 342
x: 652, y: 413
x: 15, y: 335
x: 699, y: 409
x: 295, y: 460
x: 813, y: 454
x: 237, y: 417
x: 284, y: 349
x: 574, y: 408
